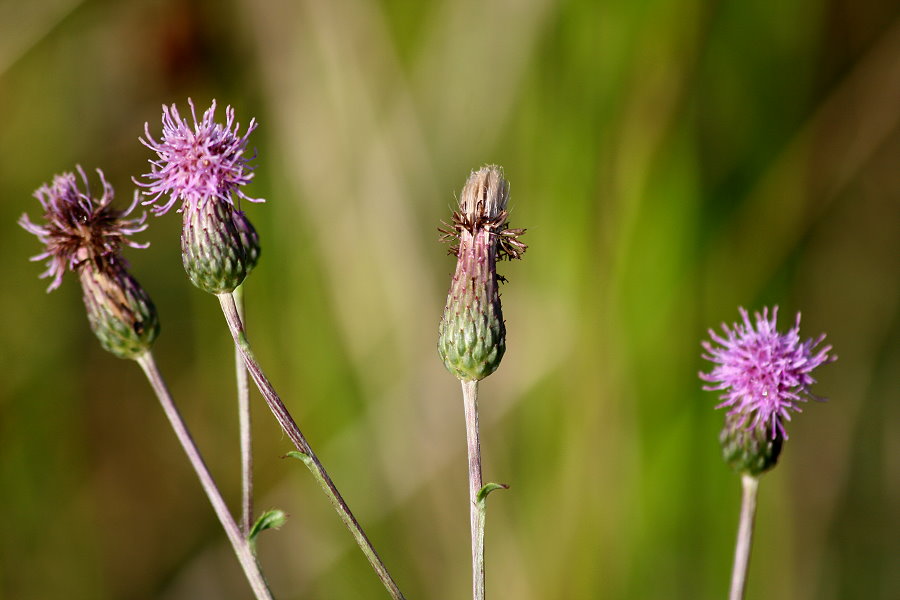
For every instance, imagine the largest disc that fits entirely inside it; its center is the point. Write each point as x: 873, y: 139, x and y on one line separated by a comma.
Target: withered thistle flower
x: 764, y: 375
x: 85, y: 234
x: 205, y: 165
x: 472, y: 332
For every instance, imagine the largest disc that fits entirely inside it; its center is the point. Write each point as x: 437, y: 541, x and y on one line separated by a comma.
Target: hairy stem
x: 243, y: 390
x: 238, y: 542
x: 476, y: 508
x: 289, y: 426
x: 745, y: 537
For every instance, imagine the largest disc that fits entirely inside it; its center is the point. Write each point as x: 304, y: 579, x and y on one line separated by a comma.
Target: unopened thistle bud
x: 205, y: 165
x: 472, y: 333
x: 764, y: 376
x: 248, y: 237
x: 84, y: 234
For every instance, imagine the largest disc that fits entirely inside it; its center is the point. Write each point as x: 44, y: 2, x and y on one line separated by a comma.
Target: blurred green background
x: 671, y: 161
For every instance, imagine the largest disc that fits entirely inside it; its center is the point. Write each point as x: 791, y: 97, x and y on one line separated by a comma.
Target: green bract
x: 120, y: 312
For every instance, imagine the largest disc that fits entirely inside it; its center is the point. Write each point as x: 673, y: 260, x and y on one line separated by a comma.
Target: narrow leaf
x: 271, y: 519
x: 487, y: 489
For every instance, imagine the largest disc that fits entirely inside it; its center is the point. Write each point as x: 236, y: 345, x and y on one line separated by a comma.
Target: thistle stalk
x: 749, y: 485
x: 476, y: 512
x: 290, y: 428
x: 239, y: 542
x: 243, y: 394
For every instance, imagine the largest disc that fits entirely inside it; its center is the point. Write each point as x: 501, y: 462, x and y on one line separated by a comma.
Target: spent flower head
x: 763, y: 375
x: 472, y: 333
x: 85, y: 234
x: 80, y: 229
x: 199, y: 162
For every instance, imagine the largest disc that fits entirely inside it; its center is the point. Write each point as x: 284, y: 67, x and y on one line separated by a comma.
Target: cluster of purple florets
x: 79, y: 227
x: 763, y: 375
x: 200, y: 162
x: 196, y: 162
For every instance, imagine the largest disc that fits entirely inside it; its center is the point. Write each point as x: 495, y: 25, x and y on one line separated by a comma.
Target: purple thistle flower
x: 79, y: 228
x: 206, y: 161
x: 765, y: 375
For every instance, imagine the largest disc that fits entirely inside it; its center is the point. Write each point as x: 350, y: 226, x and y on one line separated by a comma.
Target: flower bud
x: 249, y: 239
x: 472, y: 333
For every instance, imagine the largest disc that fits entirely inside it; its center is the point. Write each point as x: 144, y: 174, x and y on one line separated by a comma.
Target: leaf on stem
x: 299, y: 456
x: 482, y: 494
x: 271, y: 519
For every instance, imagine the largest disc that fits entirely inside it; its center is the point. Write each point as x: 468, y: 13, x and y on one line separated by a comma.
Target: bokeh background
x: 671, y: 159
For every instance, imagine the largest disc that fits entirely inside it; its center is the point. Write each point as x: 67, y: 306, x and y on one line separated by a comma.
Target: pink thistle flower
x: 199, y: 162
x: 764, y: 375
x: 79, y: 228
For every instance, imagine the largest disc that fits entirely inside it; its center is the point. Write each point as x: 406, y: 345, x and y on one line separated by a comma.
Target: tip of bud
x: 482, y: 207
x: 485, y: 195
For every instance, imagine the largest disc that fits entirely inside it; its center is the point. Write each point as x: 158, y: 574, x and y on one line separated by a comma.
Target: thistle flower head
x: 199, y: 162
x: 472, y: 333
x: 763, y: 375
x: 80, y: 229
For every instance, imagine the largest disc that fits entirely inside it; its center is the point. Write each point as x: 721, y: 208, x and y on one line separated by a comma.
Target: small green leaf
x: 271, y: 519
x: 298, y: 455
x: 487, y: 489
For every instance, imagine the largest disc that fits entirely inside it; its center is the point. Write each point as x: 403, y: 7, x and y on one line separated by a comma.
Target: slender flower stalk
x: 763, y: 376
x: 239, y: 541
x: 472, y: 333
x: 85, y: 234
x: 476, y: 516
x: 243, y: 393
x: 749, y: 484
x: 250, y: 242
x: 290, y: 428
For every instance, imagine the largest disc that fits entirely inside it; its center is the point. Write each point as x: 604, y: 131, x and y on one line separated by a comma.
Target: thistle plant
x: 764, y: 376
x: 84, y: 234
x: 204, y: 165
x: 472, y: 333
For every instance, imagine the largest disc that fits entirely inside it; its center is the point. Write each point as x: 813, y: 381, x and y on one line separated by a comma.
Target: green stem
x: 749, y: 484
x: 290, y: 428
x: 476, y: 506
x: 238, y: 542
x: 243, y: 390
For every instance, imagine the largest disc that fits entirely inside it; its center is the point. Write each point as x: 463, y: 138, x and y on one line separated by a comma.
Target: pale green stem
x: 476, y: 508
x: 289, y: 426
x: 745, y: 537
x: 238, y: 542
x: 243, y: 390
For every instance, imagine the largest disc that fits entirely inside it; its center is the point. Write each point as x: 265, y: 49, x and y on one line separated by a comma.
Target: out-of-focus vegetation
x: 671, y: 161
